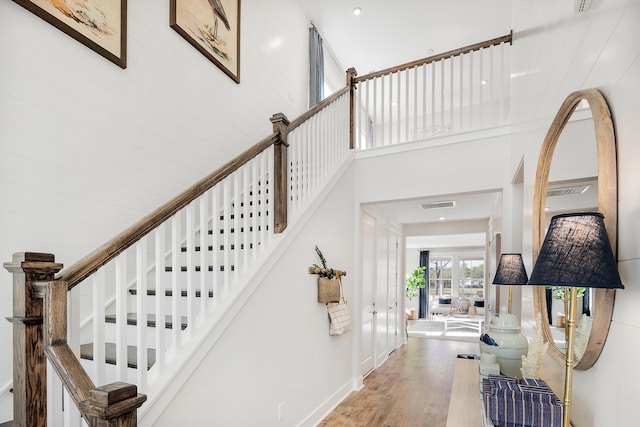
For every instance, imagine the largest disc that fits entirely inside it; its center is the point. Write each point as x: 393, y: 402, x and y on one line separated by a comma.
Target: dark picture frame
x: 101, y: 25
x: 213, y: 28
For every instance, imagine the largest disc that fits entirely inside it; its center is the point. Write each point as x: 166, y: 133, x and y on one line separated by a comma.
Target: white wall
x: 475, y: 165
x: 87, y: 149
x: 278, y: 349
x: 554, y: 53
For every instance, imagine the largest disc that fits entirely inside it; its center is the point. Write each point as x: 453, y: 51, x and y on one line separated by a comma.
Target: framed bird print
x: 100, y: 25
x: 212, y: 27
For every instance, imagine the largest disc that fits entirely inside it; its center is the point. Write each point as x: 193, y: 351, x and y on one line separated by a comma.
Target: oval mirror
x: 576, y: 172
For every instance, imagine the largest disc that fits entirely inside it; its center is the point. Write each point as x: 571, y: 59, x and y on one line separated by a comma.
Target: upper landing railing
x: 462, y: 90
x: 201, y: 249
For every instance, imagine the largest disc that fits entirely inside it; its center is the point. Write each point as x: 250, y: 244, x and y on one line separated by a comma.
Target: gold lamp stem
x: 510, y: 298
x: 568, y: 377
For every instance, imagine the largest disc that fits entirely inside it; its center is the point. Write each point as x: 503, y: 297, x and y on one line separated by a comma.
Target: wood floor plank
x: 412, y: 388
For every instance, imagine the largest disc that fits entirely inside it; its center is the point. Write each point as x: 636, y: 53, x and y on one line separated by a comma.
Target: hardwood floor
x: 412, y: 388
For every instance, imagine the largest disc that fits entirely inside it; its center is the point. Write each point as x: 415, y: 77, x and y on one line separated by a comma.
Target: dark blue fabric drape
x: 423, y: 305
x: 316, y: 67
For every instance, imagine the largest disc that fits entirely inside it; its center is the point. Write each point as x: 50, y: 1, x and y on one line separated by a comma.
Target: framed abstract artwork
x: 212, y: 27
x: 100, y: 25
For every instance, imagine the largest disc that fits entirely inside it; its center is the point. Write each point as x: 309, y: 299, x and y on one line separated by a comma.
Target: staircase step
x: 168, y: 293
x: 197, y: 248
x: 184, y: 268
x: 151, y: 320
x: 86, y: 352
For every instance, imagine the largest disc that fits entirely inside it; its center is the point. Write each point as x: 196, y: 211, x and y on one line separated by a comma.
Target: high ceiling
x: 383, y: 36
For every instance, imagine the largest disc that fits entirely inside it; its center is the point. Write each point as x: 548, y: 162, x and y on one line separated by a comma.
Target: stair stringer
x: 165, y: 386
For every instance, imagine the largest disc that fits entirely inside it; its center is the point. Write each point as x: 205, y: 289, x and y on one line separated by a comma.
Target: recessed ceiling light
x: 357, y: 11
x: 442, y: 218
x: 484, y: 82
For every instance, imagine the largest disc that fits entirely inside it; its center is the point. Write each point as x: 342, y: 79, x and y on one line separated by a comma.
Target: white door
x: 368, y: 284
x: 381, y: 318
x: 393, y: 335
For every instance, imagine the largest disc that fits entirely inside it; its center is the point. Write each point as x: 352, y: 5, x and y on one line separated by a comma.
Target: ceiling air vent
x: 438, y: 205
x: 567, y: 191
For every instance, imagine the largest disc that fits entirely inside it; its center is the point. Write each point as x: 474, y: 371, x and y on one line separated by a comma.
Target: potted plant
x: 328, y: 280
x: 415, y: 281
x: 560, y: 304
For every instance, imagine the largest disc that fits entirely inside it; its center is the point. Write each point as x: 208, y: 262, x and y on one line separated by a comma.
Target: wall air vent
x: 438, y: 205
x: 567, y: 191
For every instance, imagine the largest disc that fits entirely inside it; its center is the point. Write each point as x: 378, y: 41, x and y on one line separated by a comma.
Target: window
x: 440, y: 276
x: 471, y: 278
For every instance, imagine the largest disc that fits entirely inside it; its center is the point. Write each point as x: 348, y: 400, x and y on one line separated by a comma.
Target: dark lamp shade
x: 510, y: 271
x: 576, y: 253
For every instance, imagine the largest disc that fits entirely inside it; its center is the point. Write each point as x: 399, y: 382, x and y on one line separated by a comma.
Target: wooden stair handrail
x: 316, y: 108
x: 88, y: 265
x: 461, y: 51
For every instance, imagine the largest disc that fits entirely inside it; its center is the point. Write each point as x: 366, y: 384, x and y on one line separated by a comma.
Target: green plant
x: 324, y: 270
x: 415, y: 281
x: 558, y: 292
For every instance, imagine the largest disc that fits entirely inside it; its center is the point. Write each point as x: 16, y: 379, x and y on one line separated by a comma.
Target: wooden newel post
x: 113, y: 405
x: 280, y: 167
x: 29, y: 362
x: 351, y: 82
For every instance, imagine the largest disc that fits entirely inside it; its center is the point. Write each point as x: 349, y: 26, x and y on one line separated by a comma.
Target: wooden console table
x: 465, y: 406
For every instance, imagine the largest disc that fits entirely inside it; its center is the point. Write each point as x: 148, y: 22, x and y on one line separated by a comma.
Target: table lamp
x: 576, y: 252
x: 510, y: 272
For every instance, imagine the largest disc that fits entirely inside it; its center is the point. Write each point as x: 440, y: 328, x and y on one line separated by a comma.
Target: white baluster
x: 98, y: 326
x: 407, y: 95
x: 504, y: 80
x: 461, y: 90
x: 390, y: 77
x: 55, y: 396
x: 442, y: 95
x: 204, y: 250
x: 215, y: 243
x: 237, y: 223
x: 471, y: 88
x: 268, y: 195
x: 246, y: 178
x: 226, y: 237
x: 159, y: 300
x: 451, y: 86
x: 121, y: 317
x: 481, y: 107
x: 175, y: 281
x: 292, y: 178
x: 377, y: 140
x: 191, y: 286
x: 366, y: 119
x: 141, y: 313
x: 433, y: 99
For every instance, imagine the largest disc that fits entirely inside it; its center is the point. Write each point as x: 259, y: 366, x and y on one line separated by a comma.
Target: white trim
x: 6, y: 388
x: 327, y: 406
x: 475, y: 135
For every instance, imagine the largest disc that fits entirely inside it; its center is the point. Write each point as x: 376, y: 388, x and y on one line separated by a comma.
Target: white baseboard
x: 6, y: 403
x: 327, y: 406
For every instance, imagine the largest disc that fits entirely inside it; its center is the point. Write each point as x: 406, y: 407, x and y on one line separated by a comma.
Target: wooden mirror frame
x: 607, y: 205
